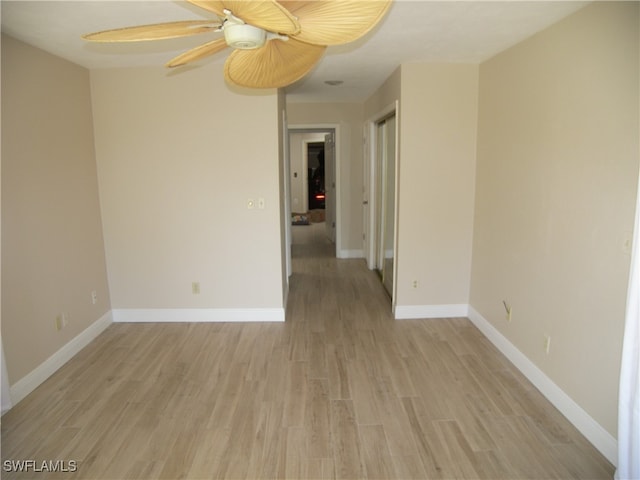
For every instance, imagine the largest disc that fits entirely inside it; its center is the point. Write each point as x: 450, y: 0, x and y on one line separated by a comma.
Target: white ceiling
x: 412, y: 31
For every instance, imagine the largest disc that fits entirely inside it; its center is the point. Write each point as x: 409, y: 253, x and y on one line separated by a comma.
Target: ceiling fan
x: 275, y: 42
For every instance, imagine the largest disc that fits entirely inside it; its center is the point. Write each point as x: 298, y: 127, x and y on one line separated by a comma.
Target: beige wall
x: 179, y: 154
x: 438, y: 122
x: 350, y: 117
x: 556, y: 185
x: 52, y: 248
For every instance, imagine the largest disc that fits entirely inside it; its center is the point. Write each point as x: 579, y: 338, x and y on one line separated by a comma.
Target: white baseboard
x: 167, y: 315
x: 286, y: 295
x: 592, y: 430
x: 351, y: 253
x: 32, y: 380
x: 6, y: 389
x: 405, y: 312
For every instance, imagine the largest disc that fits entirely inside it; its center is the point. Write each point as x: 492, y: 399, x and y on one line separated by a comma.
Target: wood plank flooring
x: 340, y: 390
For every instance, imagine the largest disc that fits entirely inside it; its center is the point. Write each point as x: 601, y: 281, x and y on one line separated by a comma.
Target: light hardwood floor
x: 340, y: 390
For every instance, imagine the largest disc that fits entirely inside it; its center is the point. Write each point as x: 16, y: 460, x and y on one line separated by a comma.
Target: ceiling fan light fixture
x: 243, y: 36
x: 304, y: 28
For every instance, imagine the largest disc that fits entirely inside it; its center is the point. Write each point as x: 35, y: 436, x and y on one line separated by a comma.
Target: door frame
x: 323, y: 128
x: 372, y: 223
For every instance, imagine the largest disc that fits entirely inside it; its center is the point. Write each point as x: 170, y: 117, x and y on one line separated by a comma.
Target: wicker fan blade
x: 277, y: 64
x: 210, y: 5
x: 198, y: 52
x: 158, y: 31
x: 266, y: 14
x: 334, y: 22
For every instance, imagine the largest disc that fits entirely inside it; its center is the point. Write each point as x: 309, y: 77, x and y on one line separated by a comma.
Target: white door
x: 287, y: 189
x: 383, y: 196
x: 366, y: 196
x: 389, y: 209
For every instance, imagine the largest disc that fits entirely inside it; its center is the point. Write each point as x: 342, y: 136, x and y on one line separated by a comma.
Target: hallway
x: 416, y: 398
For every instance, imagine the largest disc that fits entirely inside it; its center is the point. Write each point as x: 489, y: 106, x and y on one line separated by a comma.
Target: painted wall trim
x: 37, y: 376
x: 405, y: 312
x: 351, y: 253
x: 168, y: 315
x: 592, y: 430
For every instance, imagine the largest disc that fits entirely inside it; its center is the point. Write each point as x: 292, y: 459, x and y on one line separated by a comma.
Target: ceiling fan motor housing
x: 243, y: 36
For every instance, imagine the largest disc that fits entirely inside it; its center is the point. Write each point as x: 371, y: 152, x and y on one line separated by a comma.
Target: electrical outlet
x: 62, y: 320
x: 508, y: 309
x: 94, y: 297
x: 627, y: 242
x: 195, y: 288
x: 547, y: 344
x: 415, y: 284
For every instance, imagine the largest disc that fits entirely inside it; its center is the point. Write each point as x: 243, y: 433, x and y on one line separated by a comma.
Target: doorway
x: 314, y: 196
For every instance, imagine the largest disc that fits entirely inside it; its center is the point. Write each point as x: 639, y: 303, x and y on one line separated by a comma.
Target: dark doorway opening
x: 315, y: 177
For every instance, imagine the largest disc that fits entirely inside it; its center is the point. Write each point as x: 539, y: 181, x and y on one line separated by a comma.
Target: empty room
x: 320, y: 239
